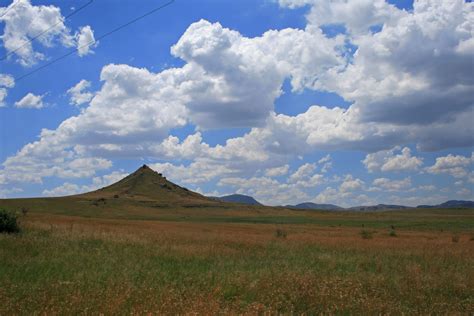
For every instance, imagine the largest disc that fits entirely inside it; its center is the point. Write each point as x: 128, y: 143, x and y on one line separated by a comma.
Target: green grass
x: 64, y: 271
x: 368, y: 221
x: 418, y: 219
x: 132, y: 256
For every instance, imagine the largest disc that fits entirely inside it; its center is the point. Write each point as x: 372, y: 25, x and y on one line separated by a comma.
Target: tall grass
x: 366, y: 234
x: 70, y: 266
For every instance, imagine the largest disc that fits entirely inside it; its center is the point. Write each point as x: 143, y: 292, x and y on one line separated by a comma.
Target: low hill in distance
x: 314, y: 206
x: 451, y: 204
x: 379, y: 207
x: 238, y: 198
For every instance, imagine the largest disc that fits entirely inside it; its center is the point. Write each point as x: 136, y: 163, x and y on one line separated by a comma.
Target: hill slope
x: 148, y: 185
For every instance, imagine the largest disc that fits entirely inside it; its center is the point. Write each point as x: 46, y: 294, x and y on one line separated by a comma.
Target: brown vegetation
x: 206, y: 268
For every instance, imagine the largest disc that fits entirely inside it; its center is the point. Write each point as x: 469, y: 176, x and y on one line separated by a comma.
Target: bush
x: 365, y: 234
x: 280, y: 233
x: 8, y: 222
x: 392, y: 233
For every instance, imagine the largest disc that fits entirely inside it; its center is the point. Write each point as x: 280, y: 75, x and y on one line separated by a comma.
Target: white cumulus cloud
x: 277, y: 171
x: 6, y: 81
x: 392, y: 185
x: 387, y: 160
x: 455, y: 165
x: 30, y: 101
x: 351, y: 184
x: 79, y: 94
x: 85, y: 41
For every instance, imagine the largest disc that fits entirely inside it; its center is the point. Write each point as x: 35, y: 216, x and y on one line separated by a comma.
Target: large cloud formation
x: 409, y: 80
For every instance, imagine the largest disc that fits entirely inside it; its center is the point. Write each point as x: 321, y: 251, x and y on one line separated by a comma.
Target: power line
x: 11, y: 7
x: 45, y: 31
x: 95, y: 40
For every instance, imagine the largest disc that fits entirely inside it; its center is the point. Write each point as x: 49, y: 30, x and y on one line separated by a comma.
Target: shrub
x: 8, y: 222
x: 455, y: 238
x: 365, y: 234
x: 392, y: 233
x: 280, y: 233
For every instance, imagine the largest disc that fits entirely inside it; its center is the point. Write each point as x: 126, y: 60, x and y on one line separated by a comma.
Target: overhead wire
x: 95, y: 40
x: 9, y: 8
x: 47, y: 30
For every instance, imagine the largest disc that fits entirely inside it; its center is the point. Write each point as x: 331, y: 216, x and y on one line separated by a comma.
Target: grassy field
x: 132, y: 209
x: 225, y: 261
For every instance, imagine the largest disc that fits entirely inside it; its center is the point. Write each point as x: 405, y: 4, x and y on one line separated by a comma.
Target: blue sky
x: 288, y: 101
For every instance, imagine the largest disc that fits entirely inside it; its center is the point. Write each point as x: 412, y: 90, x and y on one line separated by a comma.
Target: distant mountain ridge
x: 378, y: 207
x: 238, y: 198
x: 381, y: 207
x: 245, y: 199
x: 451, y: 204
x: 314, y: 206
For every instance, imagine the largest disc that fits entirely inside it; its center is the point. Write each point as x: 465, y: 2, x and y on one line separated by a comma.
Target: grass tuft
x: 280, y: 233
x: 366, y: 234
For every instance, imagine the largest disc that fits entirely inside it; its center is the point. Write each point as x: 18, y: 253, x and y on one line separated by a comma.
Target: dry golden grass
x: 250, y: 234
x: 70, y: 265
